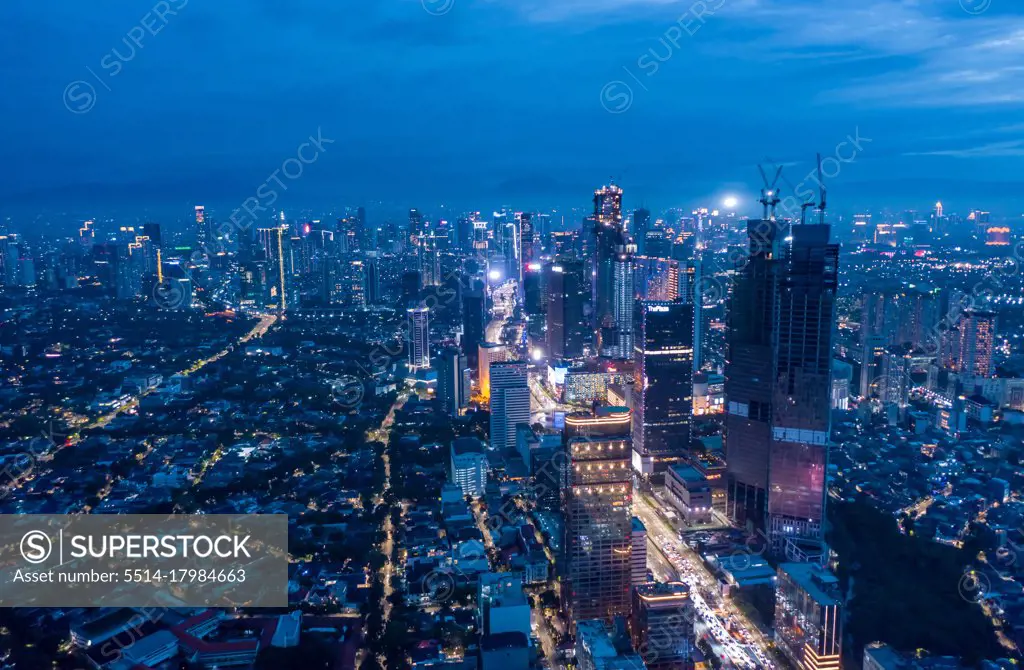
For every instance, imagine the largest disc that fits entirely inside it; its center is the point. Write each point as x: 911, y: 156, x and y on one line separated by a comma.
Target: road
x: 673, y: 558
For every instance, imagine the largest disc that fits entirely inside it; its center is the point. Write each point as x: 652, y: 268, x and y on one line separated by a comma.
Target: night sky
x: 483, y: 103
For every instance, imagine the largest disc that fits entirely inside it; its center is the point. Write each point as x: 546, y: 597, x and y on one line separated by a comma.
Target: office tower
x: 419, y: 337
x: 656, y: 278
x: 608, y: 233
x: 641, y: 225
x: 661, y: 625
x: 527, y: 238
x: 472, y: 325
x: 488, y: 353
x: 569, y: 333
x: 638, y: 543
x: 415, y: 227
x: 608, y: 205
x: 691, y: 291
x: 371, y: 278
x: 535, y: 299
x: 598, y: 518
x: 87, y: 234
x: 808, y: 618
x: 510, y: 402
x: 657, y: 243
x: 779, y: 377
x: 204, y: 238
x: 977, y: 333
x: 452, y: 391
x: 625, y: 296
x: 152, y: 231
x: 469, y: 465
x: 663, y: 384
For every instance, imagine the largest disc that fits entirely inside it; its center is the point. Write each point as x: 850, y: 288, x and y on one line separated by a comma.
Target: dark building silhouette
x: 778, y: 379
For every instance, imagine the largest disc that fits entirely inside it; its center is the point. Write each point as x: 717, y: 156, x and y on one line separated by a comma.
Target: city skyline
x: 493, y: 335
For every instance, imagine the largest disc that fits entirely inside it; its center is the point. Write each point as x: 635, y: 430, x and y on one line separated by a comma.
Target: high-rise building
x: 452, y: 381
x: 598, y: 519
x: 371, y: 279
x: 641, y: 224
x: 638, y: 540
x: 469, y: 465
x: 608, y: 205
x: 568, y: 305
x: 779, y: 377
x: 419, y: 337
x: 152, y: 231
x: 510, y: 402
x: 608, y: 234
x: 895, y: 383
x: 204, y: 238
x: 87, y: 234
x: 661, y: 625
x: 473, y: 314
x: 808, y: 616
x: 415, y: 227
x: 625, y: 295
x: 663, y: 384
x: 488, y: 353
x: 977, y: 335
x: 527, y: 238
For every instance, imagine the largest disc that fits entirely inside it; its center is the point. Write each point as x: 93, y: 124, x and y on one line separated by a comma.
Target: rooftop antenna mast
x: 769, y: 194
x: 821, y: 193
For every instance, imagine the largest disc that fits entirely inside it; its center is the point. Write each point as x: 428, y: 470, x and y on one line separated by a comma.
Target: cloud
x: 991, y: 150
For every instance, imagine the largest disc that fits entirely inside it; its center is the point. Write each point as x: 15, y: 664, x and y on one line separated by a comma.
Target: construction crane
x: 769, y: 194
x: 821, y: 193
x: 803, y: 208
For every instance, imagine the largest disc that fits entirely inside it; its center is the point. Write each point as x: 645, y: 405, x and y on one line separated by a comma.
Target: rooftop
x: 818, y: 582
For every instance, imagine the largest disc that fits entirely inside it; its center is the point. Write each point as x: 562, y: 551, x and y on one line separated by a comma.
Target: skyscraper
x: 415, y: 227
x: 779, y: 376
x: 419, y: 337
x: 527, y: 237
x: 569, y: 333
x: 203, y: 236
x: 472, y: 324
x: 488, y: 353
x: 625, y: 294
x: 510, y: 402
x: 663, y: 384
x: 608, y: 234
x: 977, y: 333
x: 598, y: 518
x: 452, y: 381
x: 641, y: 224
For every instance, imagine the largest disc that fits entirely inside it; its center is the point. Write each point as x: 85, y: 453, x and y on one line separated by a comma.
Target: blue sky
x: 479, y: 103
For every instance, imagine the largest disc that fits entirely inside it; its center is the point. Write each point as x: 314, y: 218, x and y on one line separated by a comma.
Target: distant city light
x: 730, y: 202
x: 494, y: 275
x: 536, y: 354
